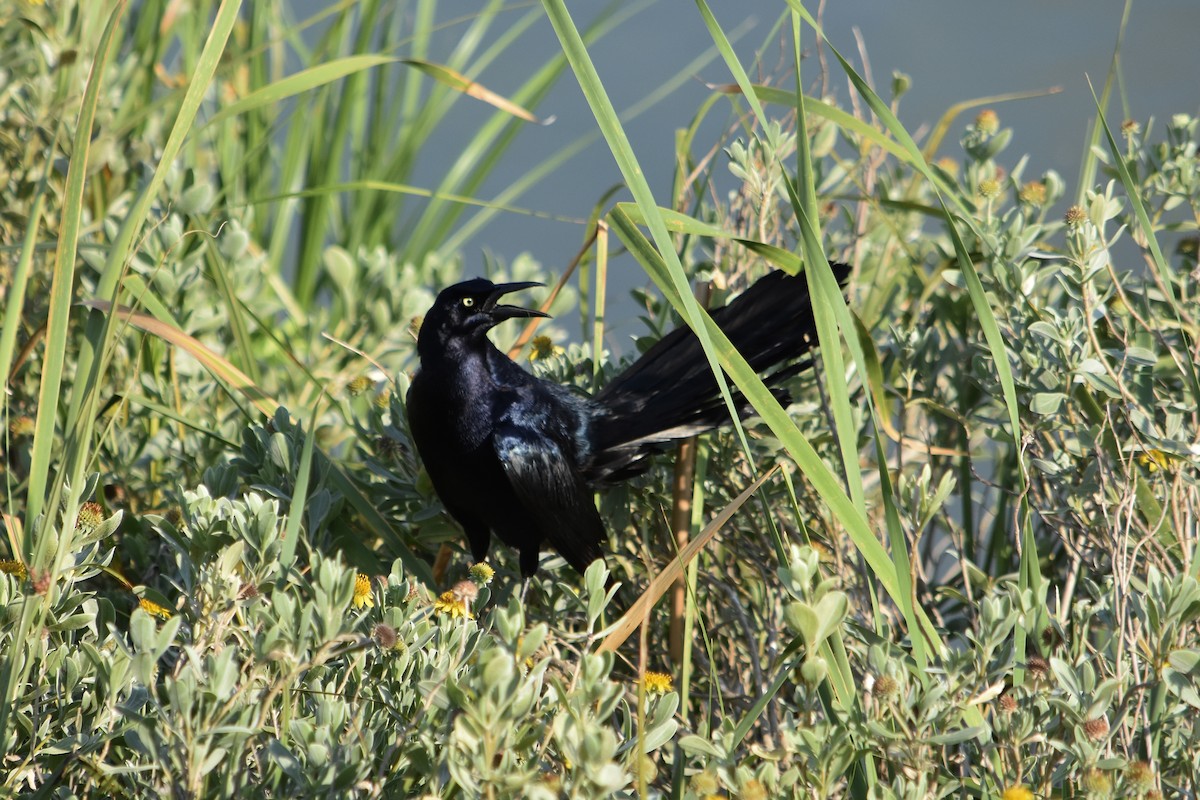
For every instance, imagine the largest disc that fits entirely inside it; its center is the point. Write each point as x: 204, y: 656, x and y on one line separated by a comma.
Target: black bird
x: 514, y: 455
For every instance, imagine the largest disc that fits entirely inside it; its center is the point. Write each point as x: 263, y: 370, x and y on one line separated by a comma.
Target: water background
x: 953, y: 50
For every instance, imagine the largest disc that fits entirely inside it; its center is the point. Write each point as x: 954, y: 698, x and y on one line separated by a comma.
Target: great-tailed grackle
x: 514, y: 455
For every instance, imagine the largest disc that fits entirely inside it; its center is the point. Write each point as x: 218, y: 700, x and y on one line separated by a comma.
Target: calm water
x: 953, y: 50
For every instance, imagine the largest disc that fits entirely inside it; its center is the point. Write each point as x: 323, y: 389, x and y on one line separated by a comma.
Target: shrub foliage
x: 226, y: 574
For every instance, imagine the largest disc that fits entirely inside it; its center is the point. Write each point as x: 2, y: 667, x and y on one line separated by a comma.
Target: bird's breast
x: 449, y: 412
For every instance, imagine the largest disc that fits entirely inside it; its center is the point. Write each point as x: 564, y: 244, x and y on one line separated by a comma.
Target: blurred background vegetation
x: 962, y: 562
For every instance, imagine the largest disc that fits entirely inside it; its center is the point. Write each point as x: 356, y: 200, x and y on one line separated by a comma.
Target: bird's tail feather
x: 670, y: 393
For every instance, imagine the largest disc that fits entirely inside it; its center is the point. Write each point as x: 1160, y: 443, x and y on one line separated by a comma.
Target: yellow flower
x: 657, y: 682
x: 947, y: 165
x: 1033, y: 193
x: 543, y: 347
x: 753, y: 790
x: 1153, y: 460
x: 359, y: 385
x: 452, y: 603
x: 482, y: 573
x: 14, y: 568
x: 1096, y: 781
x: 704, y: 783
x: 154, y: 609
x: 987, y: 121
x: 362, y: 592
x: 1018, y: 792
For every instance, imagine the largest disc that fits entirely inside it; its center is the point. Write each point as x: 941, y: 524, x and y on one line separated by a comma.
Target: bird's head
x: 468, y: 310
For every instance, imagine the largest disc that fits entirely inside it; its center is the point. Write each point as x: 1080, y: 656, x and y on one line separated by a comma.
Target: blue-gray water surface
x: 953, y: 50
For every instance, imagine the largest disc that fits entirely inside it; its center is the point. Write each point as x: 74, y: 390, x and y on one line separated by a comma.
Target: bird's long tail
x: 670, y: 392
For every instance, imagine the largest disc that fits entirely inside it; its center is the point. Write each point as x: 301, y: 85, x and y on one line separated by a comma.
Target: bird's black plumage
x: 514, y: 455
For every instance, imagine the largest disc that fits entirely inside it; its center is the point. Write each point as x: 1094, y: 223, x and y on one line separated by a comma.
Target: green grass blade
x: 41, y: 540
x: 62, y: 286
x: 98, y: 334
x: 295, y: 515
x: 824, y: 291
x: 829, y: 311
x: 987, y: 320
x: 171, y: 414
x: 15, y: 300
x: 680, y: 292
x: 481, y: 154
x: 731, y: 60
x: 303, y: 81
x: 824, y: 482
x: 198, y: 84
x: 1090, y: 165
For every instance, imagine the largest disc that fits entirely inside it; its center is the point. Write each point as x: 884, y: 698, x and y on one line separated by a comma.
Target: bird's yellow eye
x: 468, y: 301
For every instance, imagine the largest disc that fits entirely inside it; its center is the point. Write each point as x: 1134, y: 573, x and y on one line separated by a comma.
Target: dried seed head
x: 885, y: 687
x: 1096, y: 729
x: 388, y: 448
x: 1140, y: 776
x: 1039, y: 668
x: 385, y: 636
x: 414, y: 326
x: 1075, y: 216
x: 465, y: 591
x: 41, y: 581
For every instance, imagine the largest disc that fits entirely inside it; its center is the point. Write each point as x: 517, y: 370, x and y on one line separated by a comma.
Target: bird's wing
x: 553, y: 492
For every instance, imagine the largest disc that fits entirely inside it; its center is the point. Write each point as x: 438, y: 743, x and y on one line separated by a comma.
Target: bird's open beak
x: 500, y: 312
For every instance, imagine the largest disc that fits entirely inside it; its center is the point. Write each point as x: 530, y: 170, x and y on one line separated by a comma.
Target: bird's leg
x: 529, y: 560
x: 529, y: 566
